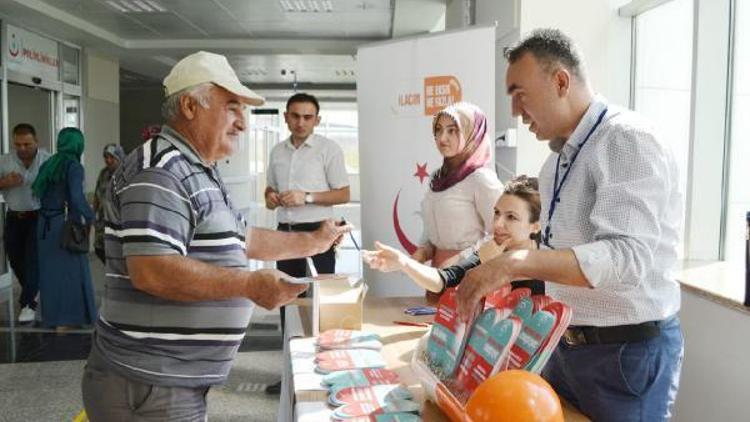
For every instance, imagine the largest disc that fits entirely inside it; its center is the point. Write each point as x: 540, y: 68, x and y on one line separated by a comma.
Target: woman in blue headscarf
x: 65, y: 289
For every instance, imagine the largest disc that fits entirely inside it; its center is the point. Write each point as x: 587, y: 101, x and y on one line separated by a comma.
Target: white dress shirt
x: 462, y: 215
x: 20, y: 198
x: 620, y: 212
x: 316, y: 166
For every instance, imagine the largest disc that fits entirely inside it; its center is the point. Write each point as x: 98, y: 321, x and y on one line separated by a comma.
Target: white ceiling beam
x: 71, y: 20
x: 252, y: 46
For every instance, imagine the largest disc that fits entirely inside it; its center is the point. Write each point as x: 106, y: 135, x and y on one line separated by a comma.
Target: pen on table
x: 413, y: 324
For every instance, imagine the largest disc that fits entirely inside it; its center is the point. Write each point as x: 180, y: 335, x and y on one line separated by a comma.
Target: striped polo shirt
x: 164, y: 200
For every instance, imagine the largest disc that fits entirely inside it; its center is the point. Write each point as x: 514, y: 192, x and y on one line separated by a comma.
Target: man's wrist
x: 320, y: 243
x: 515, y: 262
x: 248, y: 290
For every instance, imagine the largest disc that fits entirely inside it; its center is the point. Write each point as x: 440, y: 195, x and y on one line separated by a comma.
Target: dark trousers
x: 325, y: 263
x: 20, y: 245
x: 621, y: 382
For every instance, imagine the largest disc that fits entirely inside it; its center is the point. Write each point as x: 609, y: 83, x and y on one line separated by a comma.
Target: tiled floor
x: 50, y: 391
x: 43, y: 383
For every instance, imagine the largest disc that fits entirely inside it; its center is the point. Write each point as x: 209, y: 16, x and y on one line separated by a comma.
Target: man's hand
x: 487, y: 277
x: 330, y: 233
x: 385, y: 258
x: 11, y: 180
x: 273, y: 200
x: 268, y: 289
x: 292, y: 198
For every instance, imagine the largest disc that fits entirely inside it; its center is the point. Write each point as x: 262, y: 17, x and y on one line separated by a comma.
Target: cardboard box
x: 338, y: 302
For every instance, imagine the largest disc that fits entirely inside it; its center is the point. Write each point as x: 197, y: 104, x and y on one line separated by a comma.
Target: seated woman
x: 516, y: 226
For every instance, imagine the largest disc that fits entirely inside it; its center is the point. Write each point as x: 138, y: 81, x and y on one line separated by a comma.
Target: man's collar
x: 182, y: 144
x: 598, y: 104
x: 311, y: 141
x: 20, y: 161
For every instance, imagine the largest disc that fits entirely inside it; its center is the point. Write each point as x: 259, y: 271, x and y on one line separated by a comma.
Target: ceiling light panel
x: 306, y: 6
x: 136, y: 6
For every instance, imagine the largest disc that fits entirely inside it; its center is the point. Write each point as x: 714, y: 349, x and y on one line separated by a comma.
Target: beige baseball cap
x: 202, y: 67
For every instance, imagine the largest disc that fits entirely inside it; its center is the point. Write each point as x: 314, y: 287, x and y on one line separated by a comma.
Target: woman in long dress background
x: 65, y: 289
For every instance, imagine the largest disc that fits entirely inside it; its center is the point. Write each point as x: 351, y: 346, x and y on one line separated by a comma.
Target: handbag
x: 75, y: 237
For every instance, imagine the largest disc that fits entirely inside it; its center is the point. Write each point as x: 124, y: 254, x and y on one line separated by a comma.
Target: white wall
x: 604, y: 39
x: 101, y: 111
x: 456, y: 14
x: 602, y: 35
x: 714, y: 374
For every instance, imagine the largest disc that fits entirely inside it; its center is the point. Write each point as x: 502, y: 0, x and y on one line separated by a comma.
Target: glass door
x: 34, y: 106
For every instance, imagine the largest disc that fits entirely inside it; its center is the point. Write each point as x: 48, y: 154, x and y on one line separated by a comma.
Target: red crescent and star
x: 407, y: 244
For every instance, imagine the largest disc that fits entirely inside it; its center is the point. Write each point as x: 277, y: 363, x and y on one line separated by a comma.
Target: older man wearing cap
x: 178, y: 298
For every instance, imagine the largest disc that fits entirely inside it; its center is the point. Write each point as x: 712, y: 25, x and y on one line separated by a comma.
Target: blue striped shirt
x: 164, y: 200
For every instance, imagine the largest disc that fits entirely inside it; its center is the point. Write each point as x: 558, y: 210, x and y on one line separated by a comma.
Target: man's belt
x: 22, y: 215
x: 578, y: 336
x: 299, y: 227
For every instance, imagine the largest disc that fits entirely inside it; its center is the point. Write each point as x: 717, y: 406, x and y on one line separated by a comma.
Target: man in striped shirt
x: 178, y: 297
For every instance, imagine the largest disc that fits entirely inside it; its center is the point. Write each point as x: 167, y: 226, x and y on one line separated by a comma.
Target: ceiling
x: 269, y: 42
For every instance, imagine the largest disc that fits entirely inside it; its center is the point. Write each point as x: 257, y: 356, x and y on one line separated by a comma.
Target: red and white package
x: 563, y: 314
x: 487, y: 350
x: 496, y: 298
x: 448, y: 334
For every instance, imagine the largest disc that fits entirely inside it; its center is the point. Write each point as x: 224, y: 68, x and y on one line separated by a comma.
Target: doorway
x: 35, y: 106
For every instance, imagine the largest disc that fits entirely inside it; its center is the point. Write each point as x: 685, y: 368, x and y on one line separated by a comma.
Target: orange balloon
x: 514, y: 395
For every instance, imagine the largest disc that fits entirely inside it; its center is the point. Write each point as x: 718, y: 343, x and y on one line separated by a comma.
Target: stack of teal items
x: 359, y: 386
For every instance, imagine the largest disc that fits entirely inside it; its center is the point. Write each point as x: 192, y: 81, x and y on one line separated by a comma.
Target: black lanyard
x: 557, y: 189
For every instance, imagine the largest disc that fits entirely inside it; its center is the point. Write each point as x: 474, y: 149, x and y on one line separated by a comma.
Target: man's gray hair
x: 551, y: 48
x: 170, y: 109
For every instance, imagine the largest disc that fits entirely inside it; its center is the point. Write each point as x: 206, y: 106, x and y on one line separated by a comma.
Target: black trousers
x: 325, y: 263
x: 20, y: 245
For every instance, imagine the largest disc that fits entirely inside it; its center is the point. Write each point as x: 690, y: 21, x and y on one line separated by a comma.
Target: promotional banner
x: 400, y: 85
x: 31, y: 54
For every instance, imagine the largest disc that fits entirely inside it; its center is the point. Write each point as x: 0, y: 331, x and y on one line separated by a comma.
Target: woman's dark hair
x: 526, y: 188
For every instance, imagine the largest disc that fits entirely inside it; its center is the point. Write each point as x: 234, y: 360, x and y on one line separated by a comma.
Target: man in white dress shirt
x: 306, y: 178
x: 18, y: 170
x: 611, y: 212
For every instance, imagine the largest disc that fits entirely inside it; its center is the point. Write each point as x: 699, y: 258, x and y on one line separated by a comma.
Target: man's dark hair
x: 24, y: 129
x: 551, y: 48
x: 303, y: 98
